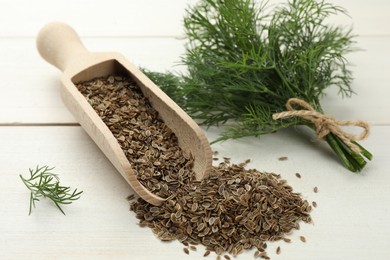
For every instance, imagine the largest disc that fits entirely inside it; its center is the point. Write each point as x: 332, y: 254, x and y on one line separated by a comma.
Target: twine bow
x: 324, y: 124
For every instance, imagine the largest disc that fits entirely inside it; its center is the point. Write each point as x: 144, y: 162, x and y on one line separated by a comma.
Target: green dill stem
x: 363, y: 151
x: 355, y: 156
x: 350, y: 159
x: 330, y: 139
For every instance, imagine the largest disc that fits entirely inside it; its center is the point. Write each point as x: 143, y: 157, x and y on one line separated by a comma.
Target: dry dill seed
x: 130, y: 197
x: 206, y: 253
x: 283, y: 158
x: 287, y: 240
x: 193, y: 248
x: 226, y: 257
x: 303, y: 239
x: 298, y: 175
x: 149, y: 145
x: 314, y: 204
x: 226, y: 203
x: 315, y: 189
x: 278, y: 250
x: 185, y: 249
x: 218, y: 257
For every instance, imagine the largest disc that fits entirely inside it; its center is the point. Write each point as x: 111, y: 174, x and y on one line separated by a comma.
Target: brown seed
x: 314, y: 204
x: 194, y: 206
x: 315, y: 189
x: 218, y: 257
x: 283, y: 158
x: 207, y: 253
x: 193, y: 248
x: 131, y: 197
x: 278, y: 250
x: 201, y: 226
x: 303, y: 239
x: 226, y: 257
x: 298, y: 175
x: 186, y: 250
x: 287, y: 240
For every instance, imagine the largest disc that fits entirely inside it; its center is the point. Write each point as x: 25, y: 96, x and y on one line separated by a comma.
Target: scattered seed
x: 287, y: 240
x: 207, y: 253
x: 130, y: 197
x: 303, y: 239
x: 298, y: 175
x: 283, y: 158
x: 278, y: 250
x: 314, y: 204
x: 218, y: 257
x: 315, y: 189
x: 186, y: 250
x: 193, y: 248
x: 226, y: 257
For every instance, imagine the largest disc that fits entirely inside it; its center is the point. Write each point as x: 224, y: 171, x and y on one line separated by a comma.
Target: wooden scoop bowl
x: 60, y: 45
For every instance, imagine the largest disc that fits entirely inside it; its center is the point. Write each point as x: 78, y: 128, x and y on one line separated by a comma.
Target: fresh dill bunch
x: 43, y: 183
x: 244, y: 64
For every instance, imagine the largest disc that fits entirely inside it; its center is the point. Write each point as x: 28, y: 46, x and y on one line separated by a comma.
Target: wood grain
x: 163, y: 18
x: 350, y: 221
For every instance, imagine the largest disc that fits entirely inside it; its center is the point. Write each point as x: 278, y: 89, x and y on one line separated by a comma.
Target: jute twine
x: 324, y: 124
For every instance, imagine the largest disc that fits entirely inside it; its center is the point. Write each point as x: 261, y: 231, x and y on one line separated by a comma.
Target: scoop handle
x: 59, y: 44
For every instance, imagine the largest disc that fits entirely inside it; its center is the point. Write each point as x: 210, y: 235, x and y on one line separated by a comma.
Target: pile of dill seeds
x: 233, y: 210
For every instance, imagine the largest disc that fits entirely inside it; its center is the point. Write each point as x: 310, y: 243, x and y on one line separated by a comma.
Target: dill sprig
x: 43, y: 183
x: 245, y: 63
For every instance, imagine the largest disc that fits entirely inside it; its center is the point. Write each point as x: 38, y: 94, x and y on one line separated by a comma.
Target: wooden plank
x: 94, y: 18
x: 370, y: 68
x: 29, y: 89
x: 22, y: 18
x: 350, y: 222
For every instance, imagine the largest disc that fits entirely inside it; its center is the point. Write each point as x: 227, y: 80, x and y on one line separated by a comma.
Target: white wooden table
x: 352, y: 217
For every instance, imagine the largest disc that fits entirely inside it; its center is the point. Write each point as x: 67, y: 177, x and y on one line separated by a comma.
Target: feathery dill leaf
x: 43, y: 183
x: 244, y: 63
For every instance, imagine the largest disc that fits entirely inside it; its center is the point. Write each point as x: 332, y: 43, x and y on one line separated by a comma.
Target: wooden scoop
x: 60, y: 45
